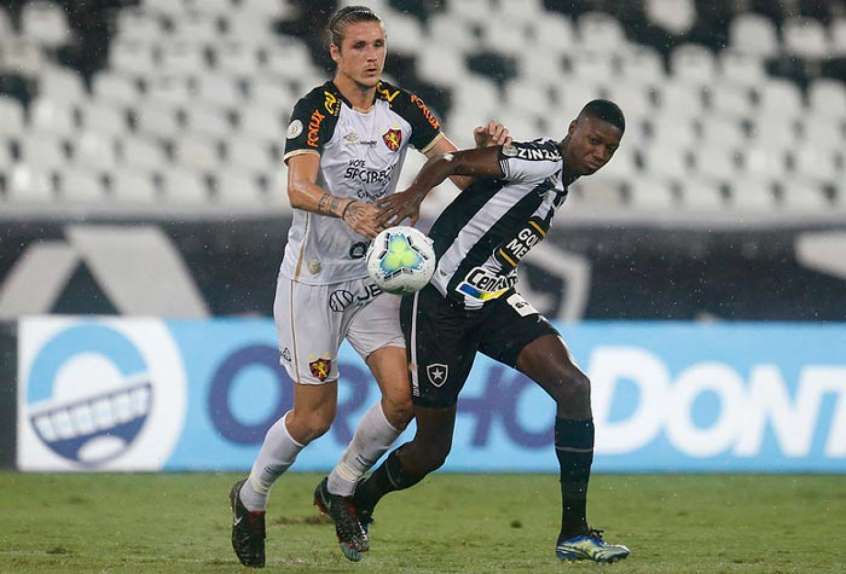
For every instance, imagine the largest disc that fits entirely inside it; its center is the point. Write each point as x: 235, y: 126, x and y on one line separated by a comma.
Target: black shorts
x: 442, y: 338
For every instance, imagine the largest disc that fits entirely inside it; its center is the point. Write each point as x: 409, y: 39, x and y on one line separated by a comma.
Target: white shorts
x: 313, y: 320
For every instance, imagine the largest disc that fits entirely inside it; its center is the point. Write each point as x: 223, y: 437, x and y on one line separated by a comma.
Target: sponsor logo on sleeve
x: 313, y: 136
x: 427, y: 113
x: 295, y: 128
x: 389, y: 95
x: 330, y: 103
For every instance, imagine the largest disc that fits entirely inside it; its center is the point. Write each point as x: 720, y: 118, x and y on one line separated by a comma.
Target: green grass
x: 451, y: 523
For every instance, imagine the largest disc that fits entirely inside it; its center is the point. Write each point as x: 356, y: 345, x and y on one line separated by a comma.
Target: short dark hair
x: 346, y: 16
x: 607, y: 111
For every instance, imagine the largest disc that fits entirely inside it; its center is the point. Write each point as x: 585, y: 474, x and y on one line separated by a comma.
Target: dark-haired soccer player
x: 345, y: 147
x: 472, y: 305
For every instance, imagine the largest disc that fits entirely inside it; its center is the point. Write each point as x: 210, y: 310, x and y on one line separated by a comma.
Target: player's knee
x: 573, y: 387
x: 305, y: 427
x: 434, y: 456
x: 398, y: 411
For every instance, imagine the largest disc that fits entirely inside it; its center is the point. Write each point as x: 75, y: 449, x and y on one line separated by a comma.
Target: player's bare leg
x: 547, y: 361
x: 377, y: 430
x: 311, y: 416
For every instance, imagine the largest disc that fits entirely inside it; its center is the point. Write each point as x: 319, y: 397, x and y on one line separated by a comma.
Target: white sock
x: 277, y: 453
x: 373, y: 437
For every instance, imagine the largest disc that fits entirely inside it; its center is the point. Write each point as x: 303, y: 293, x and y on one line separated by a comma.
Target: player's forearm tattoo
x: 328, y: 204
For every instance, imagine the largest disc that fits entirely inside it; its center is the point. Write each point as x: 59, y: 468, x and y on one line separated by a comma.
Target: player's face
x: 361, y: 56
x: 592, y: 144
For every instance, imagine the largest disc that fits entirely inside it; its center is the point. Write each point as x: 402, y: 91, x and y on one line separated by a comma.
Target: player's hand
x: 362, y: 218
x: 398, y: 206
x: 492, y: 134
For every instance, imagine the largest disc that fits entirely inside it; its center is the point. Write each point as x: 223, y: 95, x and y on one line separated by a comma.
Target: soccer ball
x: 401, y: 260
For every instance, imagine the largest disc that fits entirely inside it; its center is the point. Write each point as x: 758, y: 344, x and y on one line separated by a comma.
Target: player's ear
x: 572, y: 128
x: 334, y: 52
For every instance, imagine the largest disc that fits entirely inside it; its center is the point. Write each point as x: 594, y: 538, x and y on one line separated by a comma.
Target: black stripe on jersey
x: 504, y: 229
x: 315, y: 116
x: 456, y: 215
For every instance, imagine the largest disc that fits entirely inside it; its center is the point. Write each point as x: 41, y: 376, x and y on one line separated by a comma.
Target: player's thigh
x: 510, y: 325
x: 442, y: 344
x: 309, y: 331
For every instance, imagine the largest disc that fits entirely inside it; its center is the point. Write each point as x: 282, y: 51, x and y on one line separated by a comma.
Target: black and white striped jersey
x: 485, y: 232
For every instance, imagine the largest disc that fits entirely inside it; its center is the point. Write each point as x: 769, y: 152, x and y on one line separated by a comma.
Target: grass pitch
x: 450, y: 523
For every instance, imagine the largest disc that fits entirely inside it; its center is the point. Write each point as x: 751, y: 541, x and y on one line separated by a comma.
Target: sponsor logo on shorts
x: 286, y: 354
x: 340, y: 299
x: 482, y: 285
x: 358, y: 250
x: 437, y: 373
x: 392, y: 139
x: 320, y: 368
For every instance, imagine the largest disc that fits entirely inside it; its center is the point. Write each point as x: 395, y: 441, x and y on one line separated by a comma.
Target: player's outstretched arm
x: 492, y: 134
x: 304, y: 193
x: 406, y: 204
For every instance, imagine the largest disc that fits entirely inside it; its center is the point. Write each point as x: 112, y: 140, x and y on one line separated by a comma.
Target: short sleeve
x: 425, y: 125
x: 312, y: 125
x: 528, y: 161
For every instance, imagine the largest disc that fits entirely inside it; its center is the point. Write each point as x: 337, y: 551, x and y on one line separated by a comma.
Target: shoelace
x: 596, y: 533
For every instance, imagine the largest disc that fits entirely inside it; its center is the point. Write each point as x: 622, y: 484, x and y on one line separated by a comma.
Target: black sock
x: 387, y: 478
x: 574, y: 448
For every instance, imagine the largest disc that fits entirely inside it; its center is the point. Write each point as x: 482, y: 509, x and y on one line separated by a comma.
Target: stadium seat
x: 524, y: 12
x: 667, y: 131
x: 172, y: 8
x: 729, y: 100
x: 779, y: 99
x: 23, y: 56
x: 528, y: 97
x: 406, y: 35
x: 142, y: 154
x: 601, y: 33
x: 29, y: 184
x: 219, y: 90
x: 454, y: 33
x: 815, y: 163
x: 104, y: 118
x: 667, y: 161
x: 699, y: 194
x: 197, y: 29
x: 594, y: 68
x: 168, y: 91
x: 59, y: 82
x: 741, y: 69
x: 470, y: 10
x: 721, y: 130
x: 775, y: 136
x: 827, y: 98
x: 115, y: 88
x: 236, y: 58
x: 441, y: 66
x: 634, y: 100
x: 140, y: 26
x: 753, y: 34
x: 81, y: 186
x: 651, y: 194
x: 507, y: 36
x: 764, y: 163
x: 45, y: 23
x: 52, y: 116
x: 238, y: 188
x: 6, y: 159
x: 715, y: 161
x: 692, y: 64
x: 261, y: 123
x: 547, y: 71
x: 7, y: 29
x: 289, y: 60
x: 196, y: 153
x: 553, y: 34
x: 132, y: 187
x: 267, y: 10
x: 158, y: 120
x: 43, y: 151
x: 805, y: 37
x: 95, y: 151
x: 821, y: 131
x: 208, y: 122
x: 679, y: 100
x: 249, y: 155
x: 11, y: 117
x: 183, y: 58
x: 642, y: 65
x: 184, y: 187
x: 132, y: 58
x: 802, y: 195
x: 751, y: 194
x: 675, y: 16
x: 477, y: 94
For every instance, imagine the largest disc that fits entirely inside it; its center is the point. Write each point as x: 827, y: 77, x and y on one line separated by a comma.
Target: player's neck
x: 568, y: 176
x: 360, y: 97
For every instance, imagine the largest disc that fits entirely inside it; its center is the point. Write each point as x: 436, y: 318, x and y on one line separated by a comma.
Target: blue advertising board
x: 147, y: 394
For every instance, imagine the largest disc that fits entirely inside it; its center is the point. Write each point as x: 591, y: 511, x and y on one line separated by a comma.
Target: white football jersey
x: 361, y: 156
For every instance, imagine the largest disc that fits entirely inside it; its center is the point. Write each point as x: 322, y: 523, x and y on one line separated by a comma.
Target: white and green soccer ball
x: 401, y: 260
